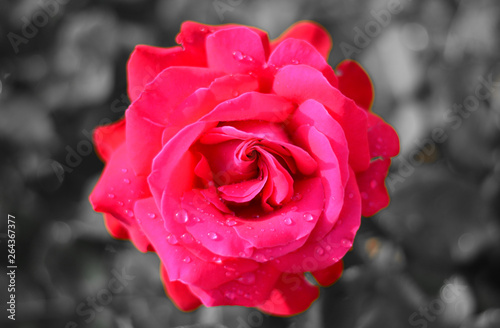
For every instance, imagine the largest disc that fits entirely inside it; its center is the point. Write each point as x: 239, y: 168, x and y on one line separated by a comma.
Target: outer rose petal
x: 193, y: 36
x: 147, y: 62
x: 182, y: 263
x: 115, y: 227
x: 119, y: 188
x: 330, y: 275
x: 293, y: 51
x: 311, y: 32
x: 291, y: 295
x: 204, y: 100
x: 214, y: 235
x: 300, y: 83
x: 156, y: 108
x: 117, y: 191
x: 252, y: 106
x: 236, y: 50
x: 355, y: 83
x: 323, y: 251
x: 108, y: 138
x: 241, y: 291
x: 179, y: 293
x: 170, y: 88
x: 144, y: 140
x: 371, y: 184
x: 384, y: 141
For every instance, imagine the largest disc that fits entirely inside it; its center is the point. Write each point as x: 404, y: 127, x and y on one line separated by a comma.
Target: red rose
x: 244, y: 163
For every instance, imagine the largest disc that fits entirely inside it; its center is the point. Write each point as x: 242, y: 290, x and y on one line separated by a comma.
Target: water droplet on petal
x: 111, y: 196
x: 288, y: 221
x: 124, y: 170
x: 151, y: 215
x: 351, y: 195
x: 236, y: 94
x: 127, y: 181
x: 320, y: 251
x: 346, y: 242
x: 308, y: 217
x: 297, y: 197
x: 231, y: 222
x: 294, y: 208
x: 260, y: 258
x: 172, y: 239
x: 196, y: 219
x: 187, y: 259
x: 272, y: 229
x: 129, y: 213
x: 247, y: 278
x: 295, y: 61
x: 238, y: 55
x: 217, y: 260
x: 213, y: 235
x: 334, y: 259
x: 120, y: 203
x: 181, y: 216
x: 230, y: 295
x: 373, y: 184
x: 187, y: 238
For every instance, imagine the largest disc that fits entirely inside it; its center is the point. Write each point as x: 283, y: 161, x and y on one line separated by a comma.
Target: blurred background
x: 431, y: 259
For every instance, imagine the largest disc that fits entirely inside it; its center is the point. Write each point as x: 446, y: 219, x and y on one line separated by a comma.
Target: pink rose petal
x: 293, y: 52
x: 384, y: 141
x: 293, y: 221
x: 108, y: 138
x: 179, y: 293
x: 308, y: 31
x: 147, y: 62
x: 291, y: 295
x: 371, y: 182
x: 355, y: 83
x: 321, y: 252
x: 252, y: 106
x: 328, y: 276
x: 236, y: 50
x: 300, y: 83
x: 181, y: 263
x: 241, y: 291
